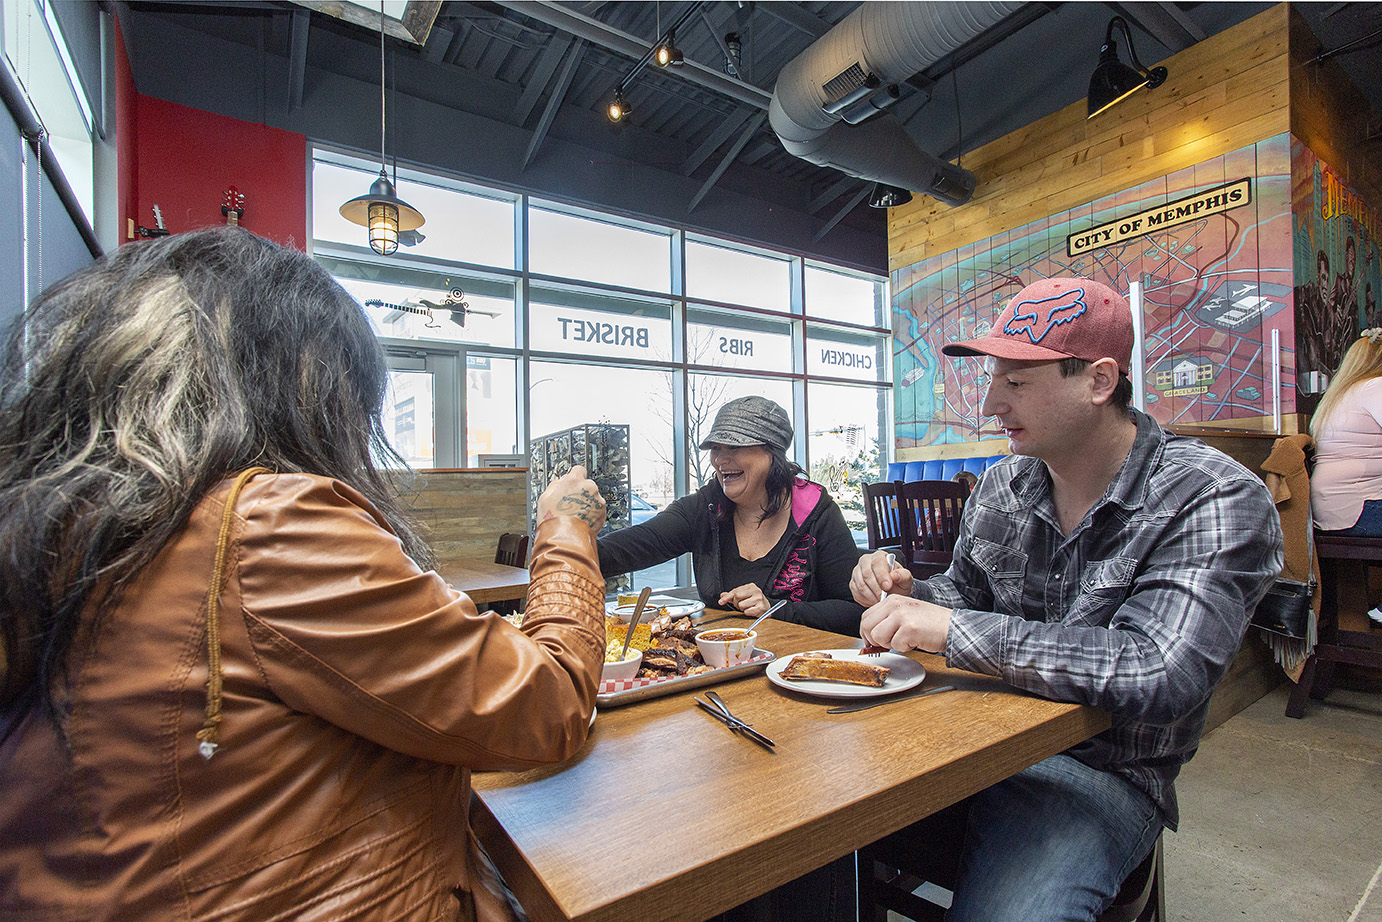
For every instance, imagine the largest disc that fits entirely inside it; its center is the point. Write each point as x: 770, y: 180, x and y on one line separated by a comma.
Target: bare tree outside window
x: 705, y: 394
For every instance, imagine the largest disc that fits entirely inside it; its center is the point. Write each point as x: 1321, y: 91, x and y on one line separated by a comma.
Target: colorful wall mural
x: 1218, y: 279
x: 1336, y: 261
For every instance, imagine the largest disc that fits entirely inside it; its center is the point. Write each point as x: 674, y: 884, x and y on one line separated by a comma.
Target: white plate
x: 677, y: 608
x: 906, y: 673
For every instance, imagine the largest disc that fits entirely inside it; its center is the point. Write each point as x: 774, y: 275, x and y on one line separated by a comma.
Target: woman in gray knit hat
x: 758, y: 533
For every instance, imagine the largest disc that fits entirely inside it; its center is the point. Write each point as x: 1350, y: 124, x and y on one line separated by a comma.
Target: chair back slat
x: 929, y: 514
x: 880, y: 515
x: 513, y: 550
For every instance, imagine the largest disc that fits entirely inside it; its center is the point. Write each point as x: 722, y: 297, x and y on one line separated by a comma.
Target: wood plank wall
x: 463, y: 512
x: 1223, y: 93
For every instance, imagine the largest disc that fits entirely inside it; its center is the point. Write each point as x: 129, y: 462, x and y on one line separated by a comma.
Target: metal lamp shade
x: 384, y: 213
x: 1111, y: 82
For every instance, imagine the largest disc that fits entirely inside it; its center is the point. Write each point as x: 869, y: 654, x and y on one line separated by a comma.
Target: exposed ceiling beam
x: 836, y: 190
x: 753, y: 125
x: 561, y: 17
x: 438, y: 44
x: 298, y: 27
x: 1165, y: 23
x: 542, y: 74
x: 849, y: 206
x: 717, y: 137
x: 795, y: 16
x: 554, y: 100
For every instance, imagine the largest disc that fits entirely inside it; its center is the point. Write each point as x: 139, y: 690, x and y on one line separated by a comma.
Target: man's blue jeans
x: 1051, y: 843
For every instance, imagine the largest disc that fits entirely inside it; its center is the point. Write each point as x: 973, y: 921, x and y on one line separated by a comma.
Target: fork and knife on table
x: 717, y: 708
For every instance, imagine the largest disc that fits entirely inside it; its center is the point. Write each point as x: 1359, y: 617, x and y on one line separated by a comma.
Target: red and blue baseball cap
x: 1059, y: 318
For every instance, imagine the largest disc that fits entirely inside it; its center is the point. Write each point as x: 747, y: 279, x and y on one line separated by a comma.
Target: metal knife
x: 875, y: 702
x: 736, y: 724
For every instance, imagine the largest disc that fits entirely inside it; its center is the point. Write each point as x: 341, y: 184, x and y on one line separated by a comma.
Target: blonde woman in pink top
x: 1346, y: 484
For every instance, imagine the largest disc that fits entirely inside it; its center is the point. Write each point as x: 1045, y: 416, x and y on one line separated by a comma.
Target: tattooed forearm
x: 585, y: 506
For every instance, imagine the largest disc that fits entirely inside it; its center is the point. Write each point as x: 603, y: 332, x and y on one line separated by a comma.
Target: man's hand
x: 873, y: 578
x: 573, y: 494
x: 902, y: 623
x: 748, y: 598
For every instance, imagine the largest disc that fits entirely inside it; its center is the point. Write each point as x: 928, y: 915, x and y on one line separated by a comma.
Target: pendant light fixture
x: 381, y: 210
x: 1112, y: 80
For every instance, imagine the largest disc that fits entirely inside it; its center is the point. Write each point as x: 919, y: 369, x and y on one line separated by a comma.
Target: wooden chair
x: 930, y: 512
x: 880, y: 515
x: 513, y: 550
x: 891, y: 869
x: 1358, y: 648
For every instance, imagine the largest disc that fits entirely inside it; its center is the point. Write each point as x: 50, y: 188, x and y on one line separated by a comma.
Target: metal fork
x: 873, y: 649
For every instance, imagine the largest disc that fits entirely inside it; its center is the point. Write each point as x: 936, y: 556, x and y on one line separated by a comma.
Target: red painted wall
x: 188, y: 159
x: 185, y: 161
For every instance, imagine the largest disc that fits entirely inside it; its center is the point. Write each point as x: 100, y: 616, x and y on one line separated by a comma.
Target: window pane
x: 849, y: 298
x: 491, y: 392
x: 841, y: 353
x: 845, y: 444
x: 737, y: 340
x: 464, y: 309
x: 735, y: 277
x: 573, y: 247
x: 459, y: 226
x: 564, y: 395
x: 582, y: 324
x: 409, y: 417
x: 707, y: 393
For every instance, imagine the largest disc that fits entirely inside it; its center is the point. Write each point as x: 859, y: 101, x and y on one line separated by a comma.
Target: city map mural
x: 1213, y: 245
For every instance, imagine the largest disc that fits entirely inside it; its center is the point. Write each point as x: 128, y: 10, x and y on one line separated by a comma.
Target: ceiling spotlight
x: 1114, y: 81
x: 886, y: 196
x: 668, y: 52
x: 618, y: 108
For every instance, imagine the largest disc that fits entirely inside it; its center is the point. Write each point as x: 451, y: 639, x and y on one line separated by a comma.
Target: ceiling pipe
x: 844, y: 77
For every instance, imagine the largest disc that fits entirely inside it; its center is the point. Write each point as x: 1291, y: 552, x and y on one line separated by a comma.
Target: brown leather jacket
x: 359, y: 694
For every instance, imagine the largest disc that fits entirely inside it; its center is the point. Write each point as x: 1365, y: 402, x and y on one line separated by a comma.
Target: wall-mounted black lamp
x: 1114, y: 81
x: 886, y: 196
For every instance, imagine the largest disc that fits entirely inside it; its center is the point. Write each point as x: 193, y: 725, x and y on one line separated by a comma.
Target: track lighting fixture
x: 886, y: 196
x: 1114, y: 81
x: 618, y: 108
x: 668, y: 52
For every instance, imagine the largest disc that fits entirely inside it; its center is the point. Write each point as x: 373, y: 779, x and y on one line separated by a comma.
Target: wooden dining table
x: 668, y: 814
x: 484, y: 580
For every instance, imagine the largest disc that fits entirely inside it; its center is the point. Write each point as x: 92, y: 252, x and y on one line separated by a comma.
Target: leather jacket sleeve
x: 346, y: 627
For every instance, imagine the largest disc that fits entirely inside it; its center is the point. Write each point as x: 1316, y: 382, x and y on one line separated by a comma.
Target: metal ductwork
x: 827, y: 104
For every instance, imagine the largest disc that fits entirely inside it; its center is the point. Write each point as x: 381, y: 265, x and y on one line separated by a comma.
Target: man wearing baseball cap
x: 1109, y: 563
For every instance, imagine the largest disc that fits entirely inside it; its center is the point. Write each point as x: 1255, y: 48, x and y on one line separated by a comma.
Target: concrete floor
x: 1281, y: 819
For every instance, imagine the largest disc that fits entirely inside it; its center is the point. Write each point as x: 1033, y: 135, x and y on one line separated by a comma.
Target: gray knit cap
x: 750, y: 421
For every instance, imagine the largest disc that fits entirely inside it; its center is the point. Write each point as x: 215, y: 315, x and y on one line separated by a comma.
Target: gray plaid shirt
x: 1139, y: 611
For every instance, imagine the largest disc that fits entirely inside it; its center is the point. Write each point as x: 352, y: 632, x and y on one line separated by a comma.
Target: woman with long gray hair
x: 229, y: 684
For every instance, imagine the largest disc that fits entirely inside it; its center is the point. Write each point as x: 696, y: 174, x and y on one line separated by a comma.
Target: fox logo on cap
x: 1060, y: 308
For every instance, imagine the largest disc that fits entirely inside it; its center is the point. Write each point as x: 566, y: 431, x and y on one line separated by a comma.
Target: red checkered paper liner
x: 619, y: 685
